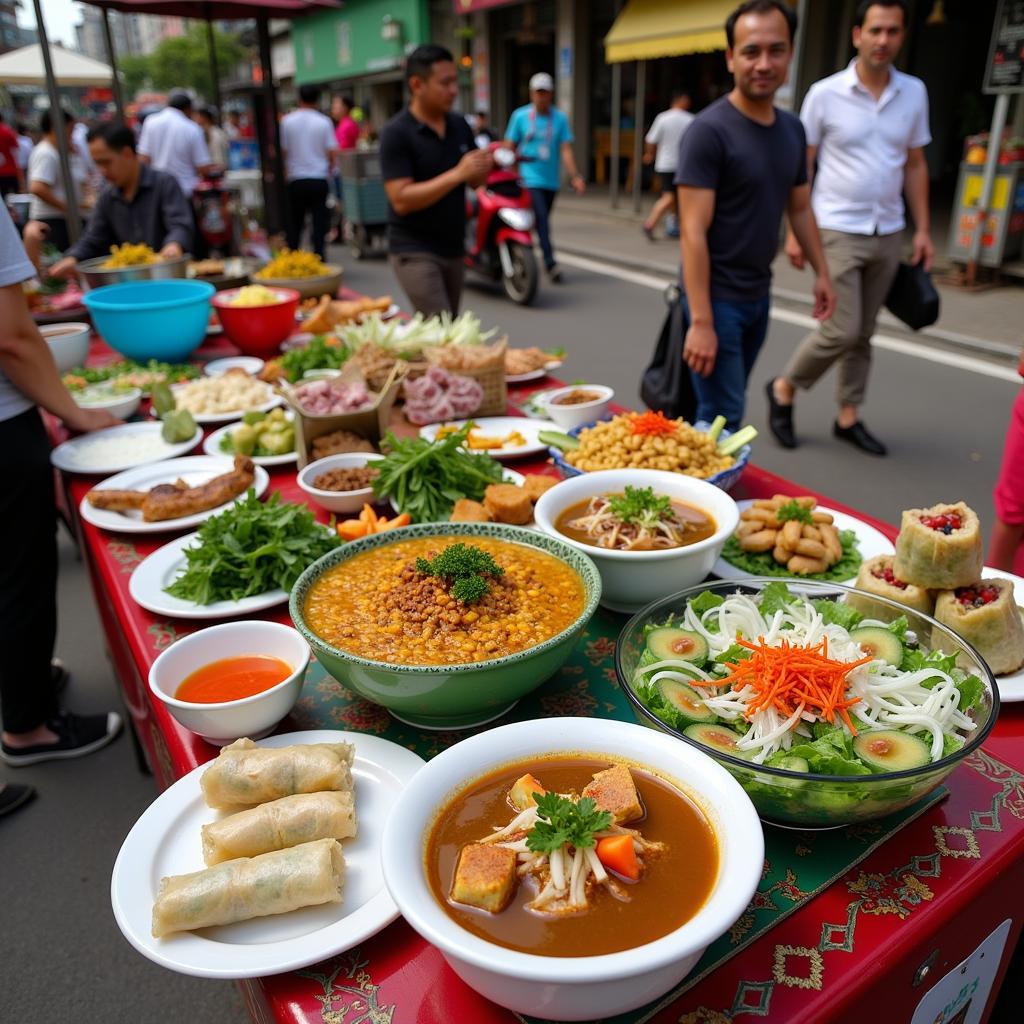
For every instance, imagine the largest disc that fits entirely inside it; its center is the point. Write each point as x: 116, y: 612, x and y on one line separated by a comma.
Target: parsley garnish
x: 794, y: 510
x: 562, y: 821
x: 465, y: 567
x: 640, y: 505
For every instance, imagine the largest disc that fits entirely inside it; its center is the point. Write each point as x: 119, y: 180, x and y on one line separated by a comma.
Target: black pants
x: 543, y: 199
x: 58, y: 235
x: 308, y: 195
x: 28, y: 574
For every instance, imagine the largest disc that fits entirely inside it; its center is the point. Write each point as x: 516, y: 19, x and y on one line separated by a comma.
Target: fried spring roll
x: 280, y: 824
x: 244, y: 774
x: 238, y: 890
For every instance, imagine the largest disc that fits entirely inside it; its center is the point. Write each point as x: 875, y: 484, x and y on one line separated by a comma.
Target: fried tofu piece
x: 523, y: 792
x: 468, y: 511
x: 536, y: 484
x: 613, y: 790
x: 508, y: 503
x: 485, y: 877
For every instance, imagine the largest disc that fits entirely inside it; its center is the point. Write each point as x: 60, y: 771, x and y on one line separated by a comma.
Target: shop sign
x: 468, y: 6
x: 1005, y: 69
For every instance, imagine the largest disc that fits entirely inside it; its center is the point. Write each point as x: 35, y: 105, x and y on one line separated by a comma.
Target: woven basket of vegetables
x: 483, y: 363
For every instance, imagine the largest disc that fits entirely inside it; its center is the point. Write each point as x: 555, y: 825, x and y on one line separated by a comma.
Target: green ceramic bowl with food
x: 446, y: 625
x: 826, y: 712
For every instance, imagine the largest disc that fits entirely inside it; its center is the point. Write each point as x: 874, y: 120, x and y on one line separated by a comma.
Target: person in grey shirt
x: 142, y: 205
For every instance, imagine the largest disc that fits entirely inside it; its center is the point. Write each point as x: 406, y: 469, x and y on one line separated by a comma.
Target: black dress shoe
x: 780, y: 418
x: 859, y: 436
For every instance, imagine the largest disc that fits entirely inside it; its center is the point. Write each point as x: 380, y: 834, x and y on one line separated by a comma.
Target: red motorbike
x: 499, y: 229
x: 215, y: 217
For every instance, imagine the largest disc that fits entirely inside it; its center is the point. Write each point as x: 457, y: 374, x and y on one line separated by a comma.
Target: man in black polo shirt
x: 141, y: 205
x: 428, y: 157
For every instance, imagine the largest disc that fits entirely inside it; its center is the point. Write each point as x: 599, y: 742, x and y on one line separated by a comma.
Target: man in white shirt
x: 47, y: 185
x: 310, y: 149
x: 171, y: 141
x: 661, y: 147
x: 867, y: 127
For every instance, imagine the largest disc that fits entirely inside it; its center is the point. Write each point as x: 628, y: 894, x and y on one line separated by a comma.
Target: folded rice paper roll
x: 244, y: 775
x: 985, y: 615
x: 239, y: 890
x: 939, y: 548
x: 276, y: 825
x: 876, y: 576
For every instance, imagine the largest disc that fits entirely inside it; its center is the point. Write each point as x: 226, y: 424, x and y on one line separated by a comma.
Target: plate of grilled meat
x: 170, y: 495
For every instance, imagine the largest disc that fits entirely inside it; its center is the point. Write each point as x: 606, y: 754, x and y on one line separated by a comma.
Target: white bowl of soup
x: 532, y: 936
x: 577, y: 404
x: 69, y: 344
x: 650, y: 532
x: 231, y: 680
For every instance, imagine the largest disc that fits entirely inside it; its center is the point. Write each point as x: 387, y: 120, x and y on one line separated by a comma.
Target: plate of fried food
x: 525, y: 364
x: 170, y: 495
x: 216, y: 886
x: 329, y: 313
x: 789, y: 536
x: 503, y: 437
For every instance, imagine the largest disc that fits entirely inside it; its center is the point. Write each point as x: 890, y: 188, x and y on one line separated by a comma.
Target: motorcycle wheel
x: 521, y: 285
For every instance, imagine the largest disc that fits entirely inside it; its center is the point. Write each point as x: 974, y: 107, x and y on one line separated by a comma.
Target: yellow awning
x: 646, y: 29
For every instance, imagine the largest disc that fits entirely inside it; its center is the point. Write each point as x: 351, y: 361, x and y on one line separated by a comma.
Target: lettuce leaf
x: 775, y: 597
x: 733, y: 654
x: 972, y: 689
x: 836, y: 613
x: 705, y: 602
x: 762, y: 563
x: 830, y: 753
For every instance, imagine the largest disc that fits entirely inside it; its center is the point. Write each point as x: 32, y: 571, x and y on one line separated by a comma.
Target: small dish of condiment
x: 577, y: 397
x: 575, y: 405
x: 351, y: 479
x: 341, y: 483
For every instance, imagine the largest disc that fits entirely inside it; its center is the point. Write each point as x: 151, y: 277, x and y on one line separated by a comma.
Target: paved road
x: 64, y: 960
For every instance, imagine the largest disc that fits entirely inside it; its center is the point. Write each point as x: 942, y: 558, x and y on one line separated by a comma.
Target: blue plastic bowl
x: 726, y: 480
x: 165, y: 320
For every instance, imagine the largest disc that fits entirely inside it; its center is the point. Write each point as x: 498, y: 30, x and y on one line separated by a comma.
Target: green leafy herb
x: 794, y: 510
x: 640, y: 505
x: 250, y: 548
x: 763, y: 564
x: 426, y: 478
x: 317, y: 355
x: 562, y: 821
x: 129, y: 373
x: 465, y: 567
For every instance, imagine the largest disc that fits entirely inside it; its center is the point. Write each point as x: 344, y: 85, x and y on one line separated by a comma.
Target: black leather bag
x: 912, y: 297
x: 666, y: 385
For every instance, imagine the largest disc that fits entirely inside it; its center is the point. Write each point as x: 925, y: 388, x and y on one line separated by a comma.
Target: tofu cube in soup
x: 613, y: 790
x: 521, y: 795
x: 485, y: 877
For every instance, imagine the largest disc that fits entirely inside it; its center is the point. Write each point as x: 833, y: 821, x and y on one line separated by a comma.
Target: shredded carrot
x: 653, y: 423
x: 789, y: 677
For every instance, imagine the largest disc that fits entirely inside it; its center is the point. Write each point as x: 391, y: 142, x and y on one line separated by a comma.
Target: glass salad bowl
x: 824, y: 782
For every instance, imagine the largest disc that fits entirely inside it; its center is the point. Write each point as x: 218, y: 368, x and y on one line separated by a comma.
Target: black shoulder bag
x: 912, y: 297
x: 666, y: 385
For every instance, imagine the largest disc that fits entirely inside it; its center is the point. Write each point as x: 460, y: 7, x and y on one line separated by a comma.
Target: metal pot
x: 95, y: 275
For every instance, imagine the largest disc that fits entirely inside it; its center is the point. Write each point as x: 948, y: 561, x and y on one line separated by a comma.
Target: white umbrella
x: 25, y: 67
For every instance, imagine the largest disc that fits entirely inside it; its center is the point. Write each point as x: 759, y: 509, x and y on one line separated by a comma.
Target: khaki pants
x: 862, y: 268
x: 433, y: 283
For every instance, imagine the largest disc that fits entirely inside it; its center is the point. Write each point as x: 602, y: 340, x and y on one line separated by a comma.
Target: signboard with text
x: 1004, y: 71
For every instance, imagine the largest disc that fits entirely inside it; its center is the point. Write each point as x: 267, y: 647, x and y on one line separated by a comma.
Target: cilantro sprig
x: 467, y: 568
x: 561, y: 821
x: 640, y: 505
x: 794, y: 510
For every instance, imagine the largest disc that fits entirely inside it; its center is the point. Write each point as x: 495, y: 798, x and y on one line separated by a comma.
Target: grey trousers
x: 433, y: 283
x: 862, y: 268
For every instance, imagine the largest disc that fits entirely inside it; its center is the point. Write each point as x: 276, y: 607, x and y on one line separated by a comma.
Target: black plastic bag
x: 666, y: 385
x: 912, y: 297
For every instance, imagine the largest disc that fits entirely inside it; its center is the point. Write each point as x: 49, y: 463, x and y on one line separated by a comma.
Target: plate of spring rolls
x: 265, y: 859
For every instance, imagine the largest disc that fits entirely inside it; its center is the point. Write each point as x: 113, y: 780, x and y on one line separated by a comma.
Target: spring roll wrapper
x: 277, y: 825
x: 238, y: 890
x: 244, y: 775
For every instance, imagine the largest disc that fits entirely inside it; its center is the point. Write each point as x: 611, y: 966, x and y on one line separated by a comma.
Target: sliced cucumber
x: 789, y: 762
x: 718, y: 738
x: 556, y: 439
x: 887, y: 750
x: 667, y: 642
x: 880, y: 643
x: 687, y: 703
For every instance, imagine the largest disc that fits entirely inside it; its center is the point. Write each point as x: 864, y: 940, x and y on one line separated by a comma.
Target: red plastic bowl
x: 257, y: 330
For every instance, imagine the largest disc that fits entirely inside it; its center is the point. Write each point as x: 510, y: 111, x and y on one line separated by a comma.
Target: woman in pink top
x: 346, y: 128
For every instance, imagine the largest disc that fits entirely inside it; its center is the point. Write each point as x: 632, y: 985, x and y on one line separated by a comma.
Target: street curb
x: 978, y: 346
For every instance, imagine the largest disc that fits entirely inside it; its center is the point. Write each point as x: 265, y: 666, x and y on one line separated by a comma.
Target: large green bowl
x: 449, y: 696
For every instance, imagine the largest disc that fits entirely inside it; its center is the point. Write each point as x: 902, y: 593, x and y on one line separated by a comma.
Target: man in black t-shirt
x: 428, y: 157
x: 742, y: 164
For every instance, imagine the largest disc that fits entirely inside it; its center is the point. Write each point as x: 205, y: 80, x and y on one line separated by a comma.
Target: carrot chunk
x: 616, y: 853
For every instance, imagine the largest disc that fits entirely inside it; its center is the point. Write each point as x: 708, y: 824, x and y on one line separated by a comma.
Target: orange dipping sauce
x: 233, y: 679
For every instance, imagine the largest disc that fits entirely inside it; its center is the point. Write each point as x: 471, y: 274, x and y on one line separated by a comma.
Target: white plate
x: 194, y: 470
x: 165, y: 565
x: 251, y: 364
x: 69, y: 455
x: 211, y: 418
x: 1011, y: 686
x: 508, y: 476
x: 212, y: 447
x: 541, y: 371
x: 166, y: 841
x: 499, y: 426
x: 870, y: 542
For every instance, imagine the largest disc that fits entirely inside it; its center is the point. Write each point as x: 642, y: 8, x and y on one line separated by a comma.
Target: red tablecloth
x: 940, y: 886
